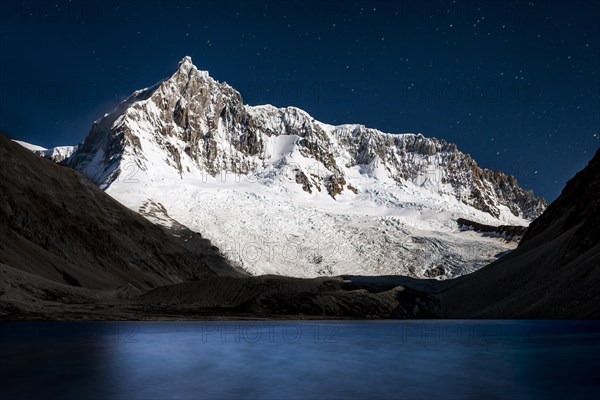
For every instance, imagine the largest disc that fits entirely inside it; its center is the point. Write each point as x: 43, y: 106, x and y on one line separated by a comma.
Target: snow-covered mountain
x: 56, y: 154
x: 282, y: 193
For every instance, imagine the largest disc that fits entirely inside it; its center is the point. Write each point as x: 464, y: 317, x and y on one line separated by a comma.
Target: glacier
x: 281, y: 193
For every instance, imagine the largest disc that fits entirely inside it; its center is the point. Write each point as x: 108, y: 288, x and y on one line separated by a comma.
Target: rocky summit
x: 348, y: 199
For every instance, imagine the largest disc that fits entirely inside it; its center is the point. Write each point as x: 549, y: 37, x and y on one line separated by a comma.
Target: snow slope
x: 282, y: 193
x: 56, y: 154
x: 30, y: 146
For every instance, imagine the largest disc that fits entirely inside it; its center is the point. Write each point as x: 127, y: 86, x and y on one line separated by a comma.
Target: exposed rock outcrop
x: 192, y: 116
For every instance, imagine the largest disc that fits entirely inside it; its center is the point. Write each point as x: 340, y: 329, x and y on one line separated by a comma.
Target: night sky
x: 515, y: 84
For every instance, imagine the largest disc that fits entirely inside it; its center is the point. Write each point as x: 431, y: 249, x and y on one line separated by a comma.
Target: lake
x: 301, y: 360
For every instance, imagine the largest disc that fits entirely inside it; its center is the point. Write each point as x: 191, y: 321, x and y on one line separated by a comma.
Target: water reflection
x: 349, y: 359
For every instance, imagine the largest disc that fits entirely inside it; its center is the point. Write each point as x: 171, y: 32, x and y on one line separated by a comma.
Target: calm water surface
x: 303, y: 360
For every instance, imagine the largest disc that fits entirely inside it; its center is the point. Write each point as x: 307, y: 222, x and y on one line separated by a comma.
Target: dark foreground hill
x: 57, y: 225
x: 555, y: 271
x: 69, y: 251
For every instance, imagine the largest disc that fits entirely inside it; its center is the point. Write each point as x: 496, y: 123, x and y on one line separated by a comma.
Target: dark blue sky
x: 515, y: 84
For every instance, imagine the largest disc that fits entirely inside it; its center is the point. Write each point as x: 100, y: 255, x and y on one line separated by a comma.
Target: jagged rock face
x: 438, y: 165
x: 100, y: 156
x: 321, y: 199
x: 57, y: 154
x: 192, y: 116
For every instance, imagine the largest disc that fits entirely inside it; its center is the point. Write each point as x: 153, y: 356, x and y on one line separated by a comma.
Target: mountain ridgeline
x: 195, y: 123
x: 68, y: 251
x: 282, y: 193
x: 399, y: 206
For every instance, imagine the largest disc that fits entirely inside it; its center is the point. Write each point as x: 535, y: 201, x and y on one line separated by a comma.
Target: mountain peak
x: 191, y: 129
x: 187, y: 60
x: 187, y: 69
x: 202, y: 125
x: 186, y: 65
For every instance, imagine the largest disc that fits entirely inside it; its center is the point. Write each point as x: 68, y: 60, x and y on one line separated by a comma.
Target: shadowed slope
x: 554, y: 273
x: 56, y: 224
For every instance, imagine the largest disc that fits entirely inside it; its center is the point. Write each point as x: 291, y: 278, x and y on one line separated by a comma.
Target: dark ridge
x: 509, y: 232
x: 578, y: 204
x: 69, y: 251
x: 555, y: 271
x: 58, y: 225
x: 70, y: 280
